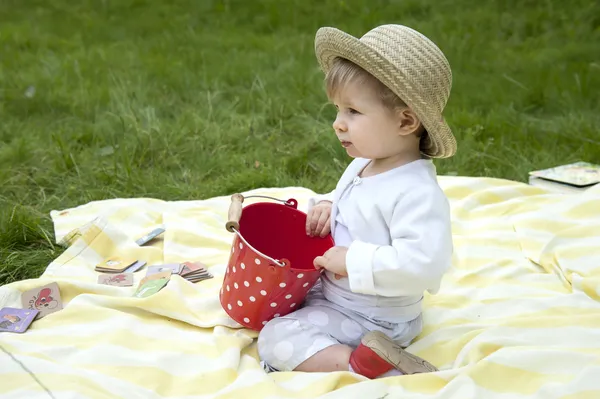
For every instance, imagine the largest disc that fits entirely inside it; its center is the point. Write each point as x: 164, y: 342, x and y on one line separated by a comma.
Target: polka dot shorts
x: 285, y: 342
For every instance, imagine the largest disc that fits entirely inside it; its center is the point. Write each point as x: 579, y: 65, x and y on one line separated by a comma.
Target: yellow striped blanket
x: 518, y: 316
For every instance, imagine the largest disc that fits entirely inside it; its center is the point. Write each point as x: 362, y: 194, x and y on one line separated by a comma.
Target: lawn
x: 184, y: 100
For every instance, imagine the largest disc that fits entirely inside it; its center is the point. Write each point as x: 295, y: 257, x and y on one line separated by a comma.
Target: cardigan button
x: 357, y: 180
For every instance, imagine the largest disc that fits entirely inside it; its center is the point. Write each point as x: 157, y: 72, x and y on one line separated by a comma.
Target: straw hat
x: 408, y: 63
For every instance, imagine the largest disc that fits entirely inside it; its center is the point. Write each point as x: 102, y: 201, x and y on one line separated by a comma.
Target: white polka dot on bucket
x: 264, y: 322
x: 247, y: 320
x: 247, y: 284
x: 351, y: 329
x: 288, y: 296
x: 292, y: 305
x: 229, y: 306
x: 318, y: 318
x: 257, y: 261
x: 300, y: 275
x: 276, y: 315
x: 283, y: 351
x: 242, y: 265
x: 241, y: 246
x: 263, y: 292
x: 252, y: 299
x: 258, y: 279
x: 240, y: 303
x: 236, y: 286
x: 282, y: 285
x: 228, y: 289
x: 305, y: 285
x: 273, y: 304
x: 234, y: 269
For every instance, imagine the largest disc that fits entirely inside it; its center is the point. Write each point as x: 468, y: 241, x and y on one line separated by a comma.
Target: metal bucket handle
x: 235, y: 213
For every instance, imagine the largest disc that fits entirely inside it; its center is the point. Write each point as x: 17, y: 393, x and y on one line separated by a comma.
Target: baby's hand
x: 333, y: 260
x: 318, y: 219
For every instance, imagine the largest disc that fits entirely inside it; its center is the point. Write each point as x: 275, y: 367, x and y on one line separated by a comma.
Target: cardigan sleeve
x: 419, y: 254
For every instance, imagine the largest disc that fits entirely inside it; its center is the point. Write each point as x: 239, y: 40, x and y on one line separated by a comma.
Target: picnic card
x: 150, y: 236
x: 117, y: 280
x: 150, y: 287
x: 152, y: 284
x: 156, y: 276
x: 577, y: 174
x: 136, y: 266
x: 198, y: 278
x: 194, y: 272
x: 115, y: 264
x: 44, y: 299
x: 191, y: 267
x: 174, y: 268
x: 16, y: 320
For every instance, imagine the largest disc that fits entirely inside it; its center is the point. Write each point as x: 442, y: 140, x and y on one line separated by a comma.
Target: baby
x: 388, y: 216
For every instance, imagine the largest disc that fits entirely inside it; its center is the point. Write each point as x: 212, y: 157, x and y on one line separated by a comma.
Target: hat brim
x: 332, y: 43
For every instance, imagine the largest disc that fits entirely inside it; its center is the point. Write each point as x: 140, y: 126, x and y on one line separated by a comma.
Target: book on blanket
x: 574, y: 177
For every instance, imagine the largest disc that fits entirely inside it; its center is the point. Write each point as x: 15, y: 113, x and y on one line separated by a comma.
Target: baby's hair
x: 344, y: 71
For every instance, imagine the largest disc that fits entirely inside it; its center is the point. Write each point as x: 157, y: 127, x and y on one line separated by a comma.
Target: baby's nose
x: 339, y: 125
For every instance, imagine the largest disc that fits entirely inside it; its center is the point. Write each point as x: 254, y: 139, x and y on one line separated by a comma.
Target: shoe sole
x: 394, y: 354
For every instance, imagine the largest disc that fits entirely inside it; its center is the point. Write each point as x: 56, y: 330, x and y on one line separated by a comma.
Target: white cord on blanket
x: 28, y: 371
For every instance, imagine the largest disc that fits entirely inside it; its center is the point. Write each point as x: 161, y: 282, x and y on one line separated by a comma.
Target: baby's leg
x: 314, y: 338
x: 320, y: 338
x: 333, y: 358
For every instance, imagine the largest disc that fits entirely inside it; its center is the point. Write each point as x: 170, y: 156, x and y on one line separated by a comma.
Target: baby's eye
x: 352, y: 111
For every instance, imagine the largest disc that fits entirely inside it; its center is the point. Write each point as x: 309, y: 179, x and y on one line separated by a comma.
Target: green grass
x: 177, y: 100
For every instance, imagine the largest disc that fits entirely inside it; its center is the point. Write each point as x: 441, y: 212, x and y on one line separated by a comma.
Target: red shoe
x: 377, y: 354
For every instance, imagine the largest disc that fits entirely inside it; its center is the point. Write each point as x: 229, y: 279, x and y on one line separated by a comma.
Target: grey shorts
x: 285, y: 342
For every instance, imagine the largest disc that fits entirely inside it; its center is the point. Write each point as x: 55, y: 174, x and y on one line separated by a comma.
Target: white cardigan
x: 397, y: 228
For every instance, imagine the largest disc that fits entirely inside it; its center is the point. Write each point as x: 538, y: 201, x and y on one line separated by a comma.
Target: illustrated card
x: 577, y: 174
x: 174, y: 268
x: 156, y: 276
x: 115, y: 264
x: 200, y: 277
x: 191, y: 267
x: 150, y: 287
x: 150, y: 236
x: 135, y: 267
x: 16, y: 320
x: 117, y: 280
x: 44, y: 299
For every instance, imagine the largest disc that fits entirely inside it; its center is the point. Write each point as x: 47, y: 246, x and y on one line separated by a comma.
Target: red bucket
x: 270, y: 267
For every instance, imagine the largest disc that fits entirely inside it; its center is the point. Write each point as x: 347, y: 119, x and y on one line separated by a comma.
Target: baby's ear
x: 408, y: 122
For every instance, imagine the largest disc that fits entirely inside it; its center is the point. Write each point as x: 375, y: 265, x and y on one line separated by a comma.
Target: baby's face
x: 364, y: 126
